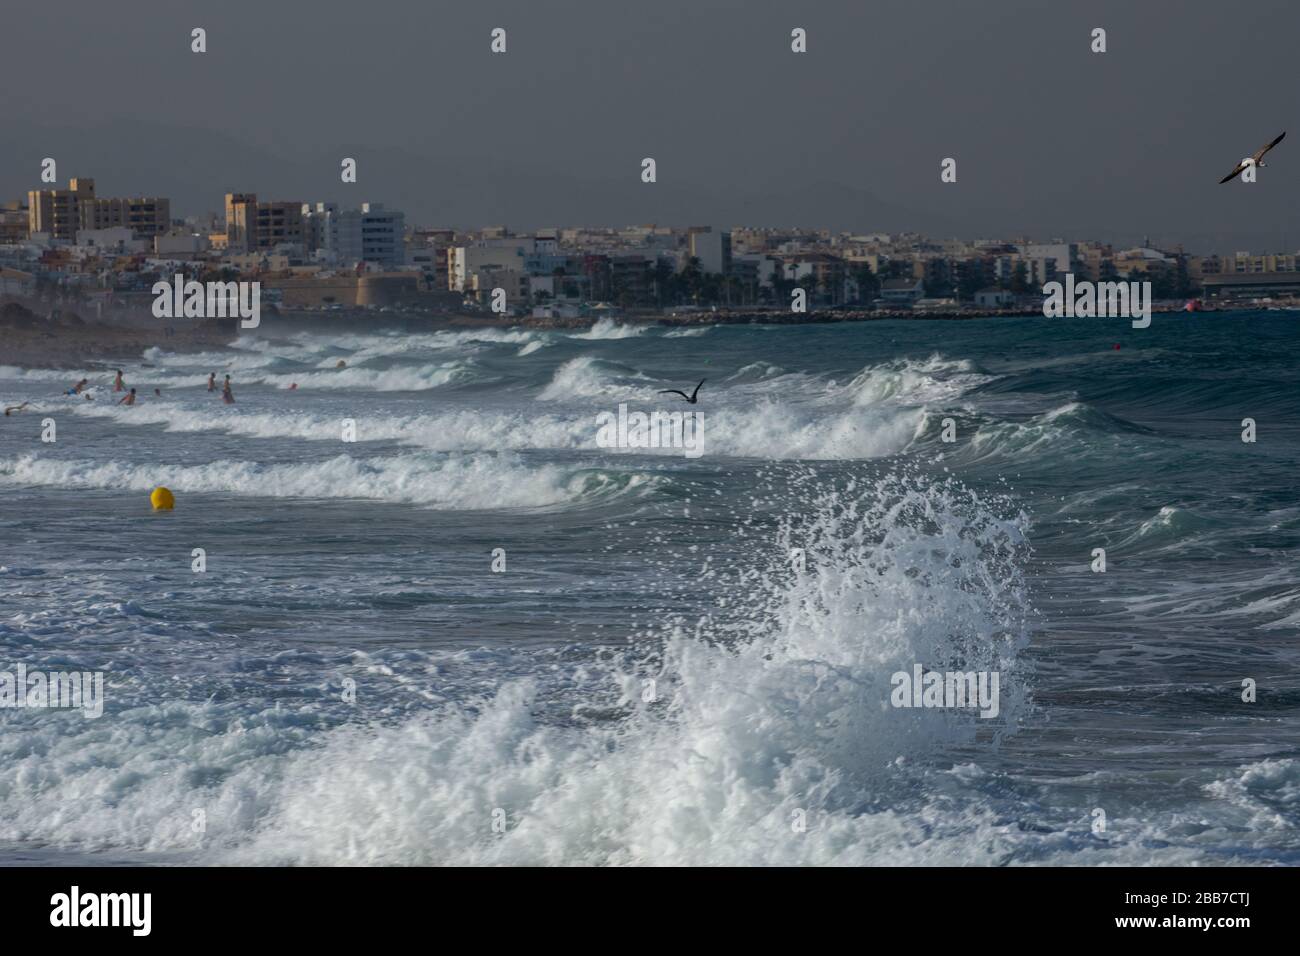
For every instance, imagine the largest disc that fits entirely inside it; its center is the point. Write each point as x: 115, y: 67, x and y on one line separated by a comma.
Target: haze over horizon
x: 1050, y: 139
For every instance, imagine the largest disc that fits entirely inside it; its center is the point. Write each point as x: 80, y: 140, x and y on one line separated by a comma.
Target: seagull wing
x: 1234, y: 173
x: 1260, y: 154
x: 697, y: 390
x: 673, y: 391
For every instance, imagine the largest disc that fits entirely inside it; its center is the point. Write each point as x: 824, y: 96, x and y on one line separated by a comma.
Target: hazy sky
x: 1049, y: 138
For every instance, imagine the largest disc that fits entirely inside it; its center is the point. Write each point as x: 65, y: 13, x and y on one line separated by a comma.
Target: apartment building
x: 372, y: 234
x: 62, y: 213
x: 712, y: 247
x: 253, y: 226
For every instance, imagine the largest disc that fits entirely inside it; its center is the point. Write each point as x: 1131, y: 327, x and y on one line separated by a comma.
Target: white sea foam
x: 395, y: 379
x: 456, y: 429
x: 773, y: 713
x: 587, y: 376
x: 768, y: 430
x: 906, y: 381
x: 775, y: 431
x: 606, y: 328
x: 436, y: 481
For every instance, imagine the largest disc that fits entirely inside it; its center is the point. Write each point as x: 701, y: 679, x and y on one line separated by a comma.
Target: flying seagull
x: 690, y: 398
x: 1257, y: 159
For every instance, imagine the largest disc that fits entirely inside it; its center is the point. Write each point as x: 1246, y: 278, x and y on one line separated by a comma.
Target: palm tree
x: 662, y: 276
x: 693, y: 278
x: 795, y: 282
x: 1020, y: 278
x: 812, y: 284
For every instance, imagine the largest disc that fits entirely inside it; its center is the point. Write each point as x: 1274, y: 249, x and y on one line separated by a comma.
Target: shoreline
x: 64, y: 341
x: 831, y: 316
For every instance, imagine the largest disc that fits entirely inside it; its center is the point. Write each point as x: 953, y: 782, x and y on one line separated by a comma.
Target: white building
x: 994, y: 298
x: 180, y: 242
x: 373, y: 234
x: 113, y: 239
x: 466, y: 262
x: 370, y: 234
x: 545, y: 243
x: 1046, y: 261
x: 758, y: 268
x: 713, y: 249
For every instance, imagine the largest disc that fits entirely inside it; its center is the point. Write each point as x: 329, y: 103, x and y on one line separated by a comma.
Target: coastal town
x: 105, y: 253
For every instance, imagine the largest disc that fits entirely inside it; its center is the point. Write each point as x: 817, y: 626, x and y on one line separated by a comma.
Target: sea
x: 410, y: 609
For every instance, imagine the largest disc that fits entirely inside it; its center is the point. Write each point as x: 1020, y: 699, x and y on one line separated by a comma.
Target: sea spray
x: 769, y: 710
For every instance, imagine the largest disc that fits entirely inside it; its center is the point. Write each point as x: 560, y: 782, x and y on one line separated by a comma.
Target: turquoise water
x: 651, y: 679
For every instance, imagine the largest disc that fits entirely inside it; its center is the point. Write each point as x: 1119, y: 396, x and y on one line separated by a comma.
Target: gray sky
x: 1049, y: 138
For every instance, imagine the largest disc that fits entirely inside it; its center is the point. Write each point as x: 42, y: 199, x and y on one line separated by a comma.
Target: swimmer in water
x: 128, y: 398
x: 119, y: 384
x: 157, y: 392
x: 79, y: 387
x: 212, y: 381
x: 227, y: 395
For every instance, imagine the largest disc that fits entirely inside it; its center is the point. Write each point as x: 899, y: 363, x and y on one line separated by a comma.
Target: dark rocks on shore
x: 61, y: 338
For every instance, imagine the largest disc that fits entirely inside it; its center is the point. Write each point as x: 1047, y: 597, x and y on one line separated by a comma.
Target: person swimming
x: 79, y: 387
x: 212, y: 381
x: 128, y: 398
x: 119, y: 383
x: 227, y: 395
x: 157, y: 392
x: 10, y: 409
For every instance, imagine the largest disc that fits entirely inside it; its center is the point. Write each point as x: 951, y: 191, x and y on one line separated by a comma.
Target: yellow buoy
x: 162, y: 499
